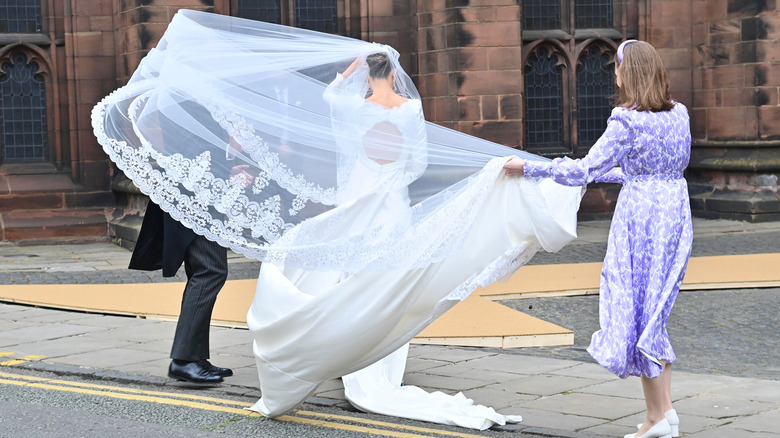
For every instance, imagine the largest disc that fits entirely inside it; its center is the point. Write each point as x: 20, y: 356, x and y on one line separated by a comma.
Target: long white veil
x: 370, y: 221
x: 222, y: 101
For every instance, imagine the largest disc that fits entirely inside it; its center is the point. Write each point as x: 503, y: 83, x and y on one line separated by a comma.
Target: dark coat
x: 162, y: 243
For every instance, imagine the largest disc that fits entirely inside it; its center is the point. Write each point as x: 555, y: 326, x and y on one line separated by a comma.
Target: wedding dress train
x: 313, y: 326
x: 370, y: 222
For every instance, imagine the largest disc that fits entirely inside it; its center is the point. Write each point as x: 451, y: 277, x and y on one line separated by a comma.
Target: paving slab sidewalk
x: 556, y: 397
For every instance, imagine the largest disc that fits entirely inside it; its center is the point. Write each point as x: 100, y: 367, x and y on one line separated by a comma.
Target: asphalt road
x: 732, y: 332
x: 43, y: 405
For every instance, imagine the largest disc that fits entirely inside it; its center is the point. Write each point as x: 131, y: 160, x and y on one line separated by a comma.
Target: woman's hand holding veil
x: 515, y: 166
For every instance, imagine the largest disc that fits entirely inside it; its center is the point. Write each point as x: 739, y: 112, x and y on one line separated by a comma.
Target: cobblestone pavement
x: 707, y: 245
x: 731, y: 332
x: 70, y: 272
x: 238, y: 270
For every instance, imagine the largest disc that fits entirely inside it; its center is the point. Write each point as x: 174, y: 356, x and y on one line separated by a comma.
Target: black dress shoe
x: 193, y: 372
x: 224, y: 372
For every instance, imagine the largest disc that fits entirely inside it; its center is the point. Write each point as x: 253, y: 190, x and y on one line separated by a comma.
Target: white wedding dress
x: 313, y: 326
x: 310, y: 326
x: 370, y: 222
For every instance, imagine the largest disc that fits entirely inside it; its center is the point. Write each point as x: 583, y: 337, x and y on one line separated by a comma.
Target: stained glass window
x: 268, y: 11
x: 595, y: 88
x: 23, y: 112
x: 567, y: 107
x: 541, y: 14
x: 20, y: 16
x: 591, y: 14
x: 320, y: 15
x: 543, y: 101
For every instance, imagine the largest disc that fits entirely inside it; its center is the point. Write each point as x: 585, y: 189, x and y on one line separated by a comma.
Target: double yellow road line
x: 8, y: 363
x: 342, y: 422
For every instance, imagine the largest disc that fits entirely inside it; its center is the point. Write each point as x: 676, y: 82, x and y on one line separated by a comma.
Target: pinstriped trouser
x: 205, y: 263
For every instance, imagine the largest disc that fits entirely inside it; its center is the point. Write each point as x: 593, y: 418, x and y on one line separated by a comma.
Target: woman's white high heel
x: 674, y: 422
x: 662, y: 429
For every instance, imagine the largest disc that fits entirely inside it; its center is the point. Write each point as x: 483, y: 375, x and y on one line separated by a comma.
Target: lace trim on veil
x: 268, y: 161
x: 498, y: 269
x: 432, y: 238
x: 163, y: 187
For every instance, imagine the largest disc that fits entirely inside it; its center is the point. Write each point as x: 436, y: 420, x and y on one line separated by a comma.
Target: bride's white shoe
x: 674, y: 422
x: 662, y: 429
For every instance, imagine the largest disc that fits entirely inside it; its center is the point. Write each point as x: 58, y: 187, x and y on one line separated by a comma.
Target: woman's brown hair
x: 644, y: 80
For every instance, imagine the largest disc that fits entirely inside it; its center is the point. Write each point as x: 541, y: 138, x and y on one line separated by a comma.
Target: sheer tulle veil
x: 227, y: 125
x: 370, y: 221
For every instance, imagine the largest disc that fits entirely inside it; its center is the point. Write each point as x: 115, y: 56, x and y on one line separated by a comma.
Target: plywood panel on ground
x: 476, y: 321
x: 716, y: 272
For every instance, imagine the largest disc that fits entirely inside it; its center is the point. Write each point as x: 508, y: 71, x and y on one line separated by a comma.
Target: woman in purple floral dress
x: 648, y: 137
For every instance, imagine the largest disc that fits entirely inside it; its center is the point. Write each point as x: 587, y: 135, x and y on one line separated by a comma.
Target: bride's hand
x: 514, y: 167
x: 352, y: 67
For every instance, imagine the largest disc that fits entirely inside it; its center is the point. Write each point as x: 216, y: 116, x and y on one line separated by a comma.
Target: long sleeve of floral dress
x: 601, y: 162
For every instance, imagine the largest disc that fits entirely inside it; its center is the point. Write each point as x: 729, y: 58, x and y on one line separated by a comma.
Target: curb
x: 241, y: 391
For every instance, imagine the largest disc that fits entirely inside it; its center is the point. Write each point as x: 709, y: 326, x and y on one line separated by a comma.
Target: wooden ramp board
x: 478, y: 322
x: 474, y: 322
x: 546, y: 280
x: 715, y: 272
x: 147, y: 300
x: 727, y: 272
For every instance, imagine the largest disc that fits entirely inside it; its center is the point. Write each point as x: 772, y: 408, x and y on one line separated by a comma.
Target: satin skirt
x: 310, y: 326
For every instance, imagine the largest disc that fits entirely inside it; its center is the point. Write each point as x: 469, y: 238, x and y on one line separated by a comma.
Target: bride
x: 393, y: 152
x: 370, y: 222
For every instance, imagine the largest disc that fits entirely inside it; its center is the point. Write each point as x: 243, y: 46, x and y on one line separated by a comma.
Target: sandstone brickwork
x: 466, y: 57
x: 470, y: 73
x: 735, y: 115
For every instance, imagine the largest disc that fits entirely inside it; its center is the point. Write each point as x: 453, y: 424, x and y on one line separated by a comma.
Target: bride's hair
x: 379, y: 65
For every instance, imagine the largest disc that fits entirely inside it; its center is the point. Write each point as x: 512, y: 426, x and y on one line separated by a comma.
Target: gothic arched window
x: 270, y: 12
x: 541, y: 14
x: 595, y: 88
x: 584, y: 34
x: 20, y: 16
x: 23, y: 129
x: 543, y: 101
x: 593, y: 14
x: 319, y: 15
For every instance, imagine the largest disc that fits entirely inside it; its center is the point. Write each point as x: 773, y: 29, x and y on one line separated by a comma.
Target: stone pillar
x: 89, y: 62
x: 386, y: 22
x: 141, y: 24
x: 735, y: 160
x: 470, y: 67
x: 670, y: 32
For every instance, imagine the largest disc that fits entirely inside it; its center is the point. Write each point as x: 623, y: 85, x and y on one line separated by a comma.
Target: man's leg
x: 205, y: 263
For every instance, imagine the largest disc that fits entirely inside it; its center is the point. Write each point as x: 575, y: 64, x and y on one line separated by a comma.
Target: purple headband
x: 621, y: 47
